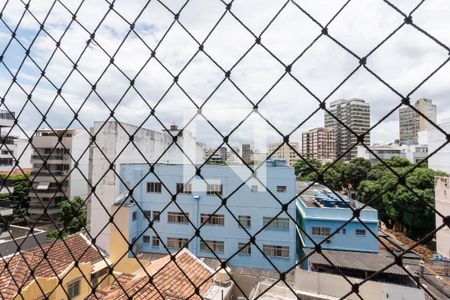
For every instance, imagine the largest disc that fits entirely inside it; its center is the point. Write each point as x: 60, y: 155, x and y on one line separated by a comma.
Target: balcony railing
x: 50, y: 156
x: 49, y: 173
x: 7, y: 115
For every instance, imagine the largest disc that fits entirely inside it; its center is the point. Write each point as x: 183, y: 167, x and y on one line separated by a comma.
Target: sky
x: 257, y: 70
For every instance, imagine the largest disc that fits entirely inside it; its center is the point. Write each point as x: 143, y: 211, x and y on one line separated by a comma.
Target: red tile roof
x: 16, y: 271
x: 169, y: 282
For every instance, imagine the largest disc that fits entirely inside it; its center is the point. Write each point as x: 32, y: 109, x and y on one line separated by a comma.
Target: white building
x: 442, y: 205
x: 440, y: 160
x: 60, y: 170
x: 12, y: 148
x: 112, y: 146
x: 285, y: 152
x: 413, y: 153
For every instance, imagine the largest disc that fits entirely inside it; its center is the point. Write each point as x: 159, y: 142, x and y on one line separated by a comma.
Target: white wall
x: 80, y: 153
x: 440, y: 160
x: 111, y: 140
x: 442, y: 202
x: 337, y: 286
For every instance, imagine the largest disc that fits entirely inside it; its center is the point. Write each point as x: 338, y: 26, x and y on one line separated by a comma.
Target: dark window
x: 155, y: 241
x: 216, y: 246
x: 177, y: 217
x: 184, y: 188
x: 214, y: 189
x: 134, y: 216
x: 281, y: 188
x: 156, y: 216
x: 212, y: 219
x: 154, y: 187
x: 245, y: 248
x: 277, y: 223
x: 146, y: 239
x: 176, y: 243
x: 73, y: 289
x: 276, y: 251
x: 360, y: 232
x: 245, y: 221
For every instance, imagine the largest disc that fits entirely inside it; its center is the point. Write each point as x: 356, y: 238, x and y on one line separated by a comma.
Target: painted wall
x: 113, y: 145
x: 442, y: 196
x: 333, y: 218
x: 79, y: 177
x: 441, y: 159
x: 244, y: 202
x: 54, y: 291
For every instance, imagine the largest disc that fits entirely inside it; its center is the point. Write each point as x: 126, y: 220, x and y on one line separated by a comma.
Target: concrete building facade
x: 320, y: 213
x: 12, y: 149
x: 440, y: 160
x: 245, y: 153
x: 285, y: 152
x: 199, y: 204
x: 113, y: 144
x: 319, y: 143
x: 411, y: 122
x: 413, y: 153
x: 355, y: 114
x: 60, y: 162
x: 442, y: 204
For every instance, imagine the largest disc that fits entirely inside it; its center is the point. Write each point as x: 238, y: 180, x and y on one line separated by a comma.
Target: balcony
x: 6, y: 118
x: 49, y: 157
x: 44, y: 173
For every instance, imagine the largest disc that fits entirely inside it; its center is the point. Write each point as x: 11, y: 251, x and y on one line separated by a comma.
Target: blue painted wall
x: 333, y: 218
x: 242, y: 202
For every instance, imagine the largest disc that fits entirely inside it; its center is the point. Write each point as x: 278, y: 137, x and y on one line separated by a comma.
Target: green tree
x: 305, y: 170
x: 19, y: 198
x: 72, y: 215
x: 399, y: 204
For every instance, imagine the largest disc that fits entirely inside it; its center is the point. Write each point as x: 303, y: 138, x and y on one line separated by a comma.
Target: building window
x: 321, y: 231
x: 155, y: 241
x: 156, y: 216
x: 146, y: 239
x: 73, y: 289
x: 276, y: 251
x: 277, y: 223
x: 176, y: 243
x: 5, y: 161
x: 245, y: 248
x: 184, y: 188
x: 360, y: 232
x: 245, y: 221
x: 212, y: 219
x: 214, y: 189
x: 216, y: 246
x: 148, y: 214
x: 134, y: 215
x: 254, y: 188
x: 153, y: 187
x: 281, y: 188
x: 177, y: 217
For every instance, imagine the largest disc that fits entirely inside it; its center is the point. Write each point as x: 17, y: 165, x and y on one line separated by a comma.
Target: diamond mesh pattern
x: 196, y: 45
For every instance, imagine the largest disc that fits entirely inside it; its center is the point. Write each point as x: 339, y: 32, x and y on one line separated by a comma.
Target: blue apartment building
x: 201, y: 199
x: 320, y: 213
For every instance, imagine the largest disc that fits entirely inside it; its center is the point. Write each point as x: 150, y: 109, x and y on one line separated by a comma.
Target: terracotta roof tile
x: 16, y: 271
x: 169, y: 282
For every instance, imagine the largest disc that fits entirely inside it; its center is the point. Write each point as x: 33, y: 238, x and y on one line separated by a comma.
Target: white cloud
x: 403, y: 61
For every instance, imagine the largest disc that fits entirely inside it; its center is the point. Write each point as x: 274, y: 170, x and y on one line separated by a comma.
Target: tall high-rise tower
x: 355, y: 114
x: 411, y: 122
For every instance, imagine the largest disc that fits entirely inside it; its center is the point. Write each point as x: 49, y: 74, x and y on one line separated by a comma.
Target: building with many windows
x: 112, y: 144
x: 411, y: 122
x: 60, y: 170
x: 319, y: 143
x: 176, y: 202
x: 320, y: 213
x: 12, y: 148
x: 355, y: 114
x: 285, y: 152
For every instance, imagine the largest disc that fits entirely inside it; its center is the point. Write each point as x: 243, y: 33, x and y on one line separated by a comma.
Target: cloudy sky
x: 257, y: 71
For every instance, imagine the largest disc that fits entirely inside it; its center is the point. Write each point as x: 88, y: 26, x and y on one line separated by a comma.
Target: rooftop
x: 360, y: 261
x: 171, y: 280
x: 319, y: 196
x: 16, y: 270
